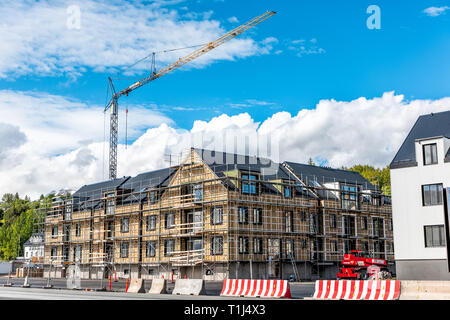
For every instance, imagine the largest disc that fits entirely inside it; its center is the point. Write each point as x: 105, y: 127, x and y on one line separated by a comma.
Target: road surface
x: 37, y: 291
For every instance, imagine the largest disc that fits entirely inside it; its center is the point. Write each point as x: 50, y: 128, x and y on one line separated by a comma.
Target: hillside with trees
x: 17, y: 219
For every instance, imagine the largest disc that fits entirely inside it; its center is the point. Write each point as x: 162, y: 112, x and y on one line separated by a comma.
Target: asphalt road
x: 37, y: 291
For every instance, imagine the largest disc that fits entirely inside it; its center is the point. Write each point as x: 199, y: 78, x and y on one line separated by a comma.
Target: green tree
x: 379, y: 177
x: 18, y: 217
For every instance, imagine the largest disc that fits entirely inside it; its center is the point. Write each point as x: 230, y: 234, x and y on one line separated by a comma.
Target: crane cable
x: 155, y: 52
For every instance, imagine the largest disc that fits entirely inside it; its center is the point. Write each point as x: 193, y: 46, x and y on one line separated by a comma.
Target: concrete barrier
x: 424, y: 290
x: 189, y: 287
x: 136, y: 286
x: 159, y: 286
x: 357, y: 289
x: 256, y: 288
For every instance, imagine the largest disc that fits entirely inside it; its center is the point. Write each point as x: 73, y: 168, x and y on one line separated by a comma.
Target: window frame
x: 148, y: 252
x: 441, y: 233
x: 166, y: 215
x: 433, y: 156
x: 122, y: 225
x: 248, y: 186
x: 149, y: 223
x: 243, y: 245
x: 216, y: 248
x: 215, y: 212
x: 166, y: 242
x: 439, y: 194
x: 244, y: 215
x: 124, y: 248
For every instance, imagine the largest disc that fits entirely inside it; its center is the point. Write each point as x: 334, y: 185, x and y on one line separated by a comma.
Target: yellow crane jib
x: 113, y: 103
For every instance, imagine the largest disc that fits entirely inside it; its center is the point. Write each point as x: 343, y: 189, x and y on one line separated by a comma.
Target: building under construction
x: 219, y: 215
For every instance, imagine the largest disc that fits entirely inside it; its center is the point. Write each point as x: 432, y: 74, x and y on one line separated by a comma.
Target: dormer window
x: 249, y: 183
x: 287, y: 191
x: 430, y: 154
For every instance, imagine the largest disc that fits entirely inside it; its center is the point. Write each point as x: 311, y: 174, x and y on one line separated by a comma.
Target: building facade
x: 419, y: 172
x: 33, y: 248
x: 219, y: 215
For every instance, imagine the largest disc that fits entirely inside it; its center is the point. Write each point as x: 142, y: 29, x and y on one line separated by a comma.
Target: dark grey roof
x: 87, y: 196
x: 220, y: 162
x: 148, y: 180
x: 309, y: 174
x: 133, y: 187
x: 37, y: 234
x: 426, y: 126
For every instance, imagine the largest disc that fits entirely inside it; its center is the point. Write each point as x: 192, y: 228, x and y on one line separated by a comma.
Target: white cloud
x: 233, y: 20
x: 366, y: 131
x: 36, y: 39
x: 303, y: 47
x: 435, y: 11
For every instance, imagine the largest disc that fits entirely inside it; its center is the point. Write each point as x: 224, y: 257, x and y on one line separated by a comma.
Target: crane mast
x: 113, y: 103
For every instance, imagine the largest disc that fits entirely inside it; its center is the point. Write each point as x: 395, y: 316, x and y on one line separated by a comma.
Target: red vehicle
x: 357, y: 265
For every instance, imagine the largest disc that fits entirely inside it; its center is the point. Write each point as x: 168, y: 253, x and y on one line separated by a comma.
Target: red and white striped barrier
x: 256, y: 288
x: 357, y: 289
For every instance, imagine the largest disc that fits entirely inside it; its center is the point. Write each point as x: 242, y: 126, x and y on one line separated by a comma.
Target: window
x: 169, y: 221
x: 389, y: 224
x: 169, y: 247
x: 349, y: 245
x: 364, y: 223
x: 66, y: 231
x: 287, y: 191
x: 68, y: 212
x: 257, y: 245
x: 77, y: 253
x: 430, y: 154
x: 333, y: 221
x: 249, y: 183
x: 216, y: 245
x: 77, y: 230
x: 334, y: 246
x: 150, y: 249
x: 432, y: 194
x: 434, y: 236
x: 243, y: 244
x: 350, y: 197
x: 150, y: 223
x: 55, y: 232
x: 198, y: 192
x: 289, y: 245
x: 153, y: 197
x: 377, y: 227
x: 378, y: 249
x: 365, y: 246
x: 288, y: 219
x: 243, y: 215
x: 54, y: 252
x: 124, y: 225
x: 124, y: 246
x: 303, y: 215
x: 349, y: 225
x: 110, y: 206
x: 257, y: 215
x: 304, y: 243
x: 216, y: 215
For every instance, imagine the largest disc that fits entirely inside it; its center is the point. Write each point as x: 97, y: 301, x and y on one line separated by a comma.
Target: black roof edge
x: 402, y: 164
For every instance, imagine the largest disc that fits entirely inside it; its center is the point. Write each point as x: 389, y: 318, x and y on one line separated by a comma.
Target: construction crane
x: 113, y: 103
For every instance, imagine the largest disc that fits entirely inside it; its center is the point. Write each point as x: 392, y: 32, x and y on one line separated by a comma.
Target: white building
x: 34, y: 247
x: 419, y: 172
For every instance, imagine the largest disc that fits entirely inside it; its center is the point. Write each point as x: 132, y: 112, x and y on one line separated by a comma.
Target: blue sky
x: 313, y: 76
x: 409, y: 55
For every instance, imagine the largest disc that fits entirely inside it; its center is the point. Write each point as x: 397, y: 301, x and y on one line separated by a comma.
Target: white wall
x: 409, y: 216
